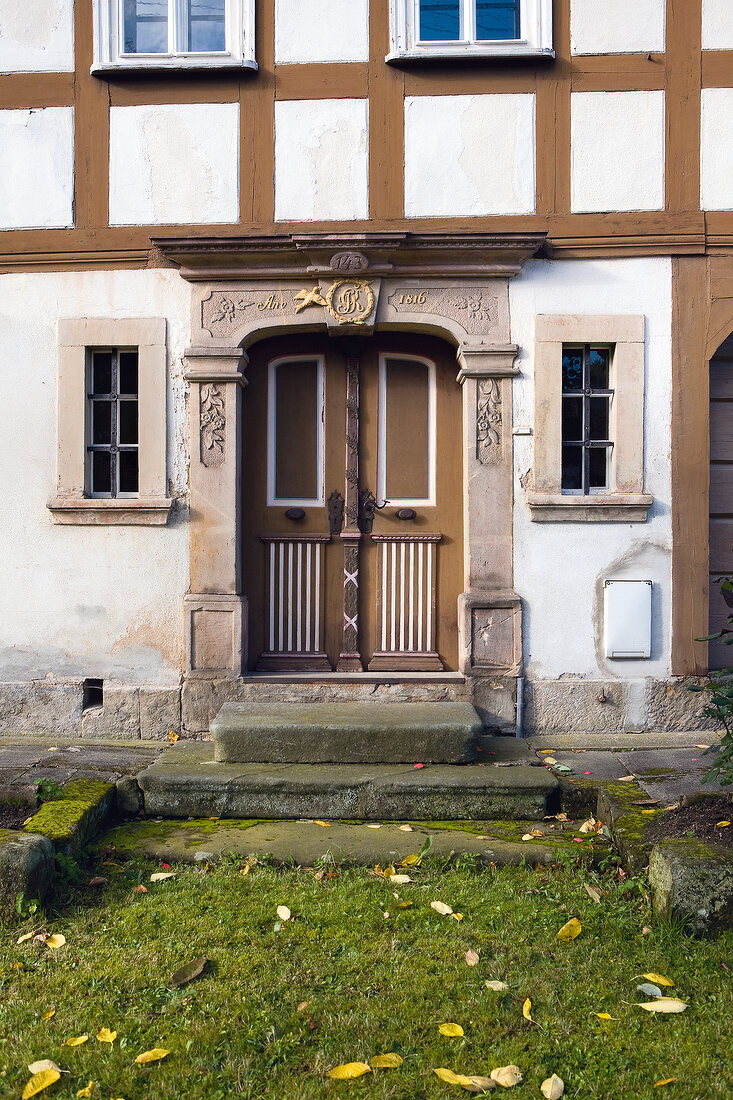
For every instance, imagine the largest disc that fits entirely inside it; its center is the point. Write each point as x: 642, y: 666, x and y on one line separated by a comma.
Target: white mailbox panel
x: 627, y: 619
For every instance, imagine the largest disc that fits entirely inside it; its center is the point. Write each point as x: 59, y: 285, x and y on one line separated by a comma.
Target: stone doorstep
x: 186, y: 782
x: 346, y: 733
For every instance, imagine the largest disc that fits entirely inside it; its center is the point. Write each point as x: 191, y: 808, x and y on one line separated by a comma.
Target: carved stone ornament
x: 488, y: 421
x: 225, y: 311
x: 213, y: 425
x: 346, y: 263
x: 474, y: 308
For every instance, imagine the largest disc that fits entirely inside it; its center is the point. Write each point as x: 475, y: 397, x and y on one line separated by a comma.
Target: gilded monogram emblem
x: 349, y: 301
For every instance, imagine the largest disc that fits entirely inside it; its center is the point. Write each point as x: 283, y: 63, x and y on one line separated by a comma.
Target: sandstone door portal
x: 352, y: 504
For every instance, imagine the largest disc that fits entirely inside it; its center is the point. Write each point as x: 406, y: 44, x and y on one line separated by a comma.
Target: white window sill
x: 173, y: 64
x: 609, y: 508
x: 431, y: 53
x: 115, y: 512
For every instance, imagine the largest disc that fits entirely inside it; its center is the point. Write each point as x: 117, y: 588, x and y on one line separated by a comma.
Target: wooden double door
x: 352, y: 504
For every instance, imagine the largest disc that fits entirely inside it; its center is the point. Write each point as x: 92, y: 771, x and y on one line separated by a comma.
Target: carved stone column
x: 489, y: 610
x: 215, y: 609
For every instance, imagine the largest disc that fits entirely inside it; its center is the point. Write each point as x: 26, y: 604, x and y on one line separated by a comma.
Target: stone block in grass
x: 693, y: 882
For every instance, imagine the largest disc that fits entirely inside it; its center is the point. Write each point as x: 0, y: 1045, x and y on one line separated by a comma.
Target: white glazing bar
x: 384, y: 597
x: 411, y: 635
x: 308, y: 582
x: 317, y: 609
x: 394, y: 595
x: 272, y: 597
x: 299, y: 597
x: 420, y: 556
x: 290, y: 597
x: 402, y: 597
x: 429, y: 600
x: 281, y: 592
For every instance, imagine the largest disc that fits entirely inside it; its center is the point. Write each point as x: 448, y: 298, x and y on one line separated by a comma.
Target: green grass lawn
x: 372, y: 983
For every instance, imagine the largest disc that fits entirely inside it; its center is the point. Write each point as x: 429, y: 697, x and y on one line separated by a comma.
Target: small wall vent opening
x: 92, y: 694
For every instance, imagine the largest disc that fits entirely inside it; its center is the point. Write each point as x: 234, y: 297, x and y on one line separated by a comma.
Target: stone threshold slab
x: 346, y: 733
x: 621, y: 742
x: 186, y: 782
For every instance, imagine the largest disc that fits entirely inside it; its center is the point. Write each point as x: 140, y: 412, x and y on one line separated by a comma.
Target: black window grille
x: 112, y: 411
x: 586, y: 418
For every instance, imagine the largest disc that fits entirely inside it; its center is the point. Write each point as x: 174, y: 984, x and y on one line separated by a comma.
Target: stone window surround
x: 72, y: 505
x: 240, y: 33
x: 536, y: 16
x: 625, y: 501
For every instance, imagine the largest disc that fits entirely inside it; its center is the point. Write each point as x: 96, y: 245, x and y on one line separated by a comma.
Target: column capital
x: 486, y: 361
x: 215, y: 365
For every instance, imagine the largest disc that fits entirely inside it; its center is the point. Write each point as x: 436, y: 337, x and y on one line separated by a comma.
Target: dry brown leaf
x: 479, y: 1084
x: 553, y: 1087
x: 625, y: 779
x: 349, y: 1071
x: 98, y: 880
x: 593, y: 893
x: 302, y: 1006
x: 140, y: 889
x: 506, y: 1076
x: 498, y: 987
x: 405, y: 828
x: 471, y: 957
x: 187, y: 973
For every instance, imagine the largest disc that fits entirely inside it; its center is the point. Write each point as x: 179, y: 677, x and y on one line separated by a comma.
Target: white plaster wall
x: 560, y: 567
x: 174, y: 164
x: 469, y: 155
x: 717, y: 25
x: 84, y: 601
x: 617, y: 151
x: 716, y: 149
x: 309, y: 31
x: 36, y: 36
x: 617, y: 26
x: 321, y: 159
x: 37, y: 168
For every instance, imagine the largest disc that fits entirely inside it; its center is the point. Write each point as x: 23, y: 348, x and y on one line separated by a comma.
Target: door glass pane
x: 572, y: 419
x: 599, y: 368
x: 297, y: 428
x: 440, y: 20
x: 206, y: 26
x: 598, y: 467
x: 572, y: 369
x: 497, y: 19
x: 406, y: 448
x: 128, y: 422
x: 572, y: 467
x: 128, y: 372
x: 146, y: 26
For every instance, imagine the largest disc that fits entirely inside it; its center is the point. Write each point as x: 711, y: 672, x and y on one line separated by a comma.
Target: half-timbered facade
x: 382, y: 346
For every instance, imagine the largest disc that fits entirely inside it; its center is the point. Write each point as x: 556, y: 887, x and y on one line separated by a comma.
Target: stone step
x: 346, y: 733
x: 187, y: 782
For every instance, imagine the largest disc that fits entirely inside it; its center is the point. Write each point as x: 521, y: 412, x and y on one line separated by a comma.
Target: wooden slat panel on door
x: 406, y: 602
x: 294, y: 631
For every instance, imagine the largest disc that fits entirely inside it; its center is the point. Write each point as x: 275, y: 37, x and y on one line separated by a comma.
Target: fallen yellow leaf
x: 604, y: 1016
x: 173, y: 736
x: 39, y: 1067
x: 325, y: 824
x: 593, y: 893
x: 454, y: 1031
x: 663, y: 1004
x: 411, y: 860
x: 457, y: 916
x: 49, y: 1015
x: 506, y: 1076
x: 386, y: 1061
x: 471, y: 957
x: 450, y: 1077
x: 55, y: 941
x: 441, y: 907
x: 723, y: 824
x: 625, y: 779
x: 76, y: 1042
x: 160, y: 875
x: 553, y: 1087
x: 405, y: 828
x: 570, y: 931
x: 399, y: 880
x: 349, y: 1071
x: 658, y: 979
x: 39, y: 1082
x: 154, y: 1055
x: 26, y: 936
x: 106, y: 1036
x: 546, y: 752
x: 527, y: 1009
x: 84, y: 1094
x: 283, y: 912
x: 496, y: 986
x: 666, y: 1081
x: 701, y: 747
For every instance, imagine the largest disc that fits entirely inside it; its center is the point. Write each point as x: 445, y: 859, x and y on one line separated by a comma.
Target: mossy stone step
x: 346, y: 733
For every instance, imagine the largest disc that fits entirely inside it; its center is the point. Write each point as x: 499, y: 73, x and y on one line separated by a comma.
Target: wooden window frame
x: 108, y: 41
x: 72, y: 503
x: 319, y: 500
x: 624, y: 501
x: 535, y: 24
x: 429, y: 501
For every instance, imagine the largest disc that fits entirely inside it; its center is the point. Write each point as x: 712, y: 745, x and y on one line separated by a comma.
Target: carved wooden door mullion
x: 350, y: 656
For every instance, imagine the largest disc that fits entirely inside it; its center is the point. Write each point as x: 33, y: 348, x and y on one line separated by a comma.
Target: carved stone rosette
x: 488, y: 421
x: 213, y: 422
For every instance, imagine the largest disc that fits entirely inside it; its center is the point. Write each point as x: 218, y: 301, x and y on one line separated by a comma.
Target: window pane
x: 102, y: 372
x: 599, y: 368
x: 572, y: 467
x: 128, y: 422
x: 440, y: 20
x: 206, y: 26
x: 102, y: 421
x: 101, y: 478
x: 296, y: 431
x: 598, y: 467
x: 407, y: 430
x: 128, y: 471
x: 128, y: 372
x: 598, y: 417
x: 572, y: 419
x: 146, y: 26
x: 572, y: 369
x: 497, y: 19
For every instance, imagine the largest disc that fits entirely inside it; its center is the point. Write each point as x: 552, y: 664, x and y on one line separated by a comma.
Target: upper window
x: 173, y: 33
x: 456, y: 28
x: 112, y: 470
x: 586, y: 418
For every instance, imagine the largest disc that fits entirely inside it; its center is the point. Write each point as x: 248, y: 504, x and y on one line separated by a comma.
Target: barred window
x: 586, y: 419
x: 112, y: 416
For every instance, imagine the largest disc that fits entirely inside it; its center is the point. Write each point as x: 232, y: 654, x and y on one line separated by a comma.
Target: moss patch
x: 70, y: 820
